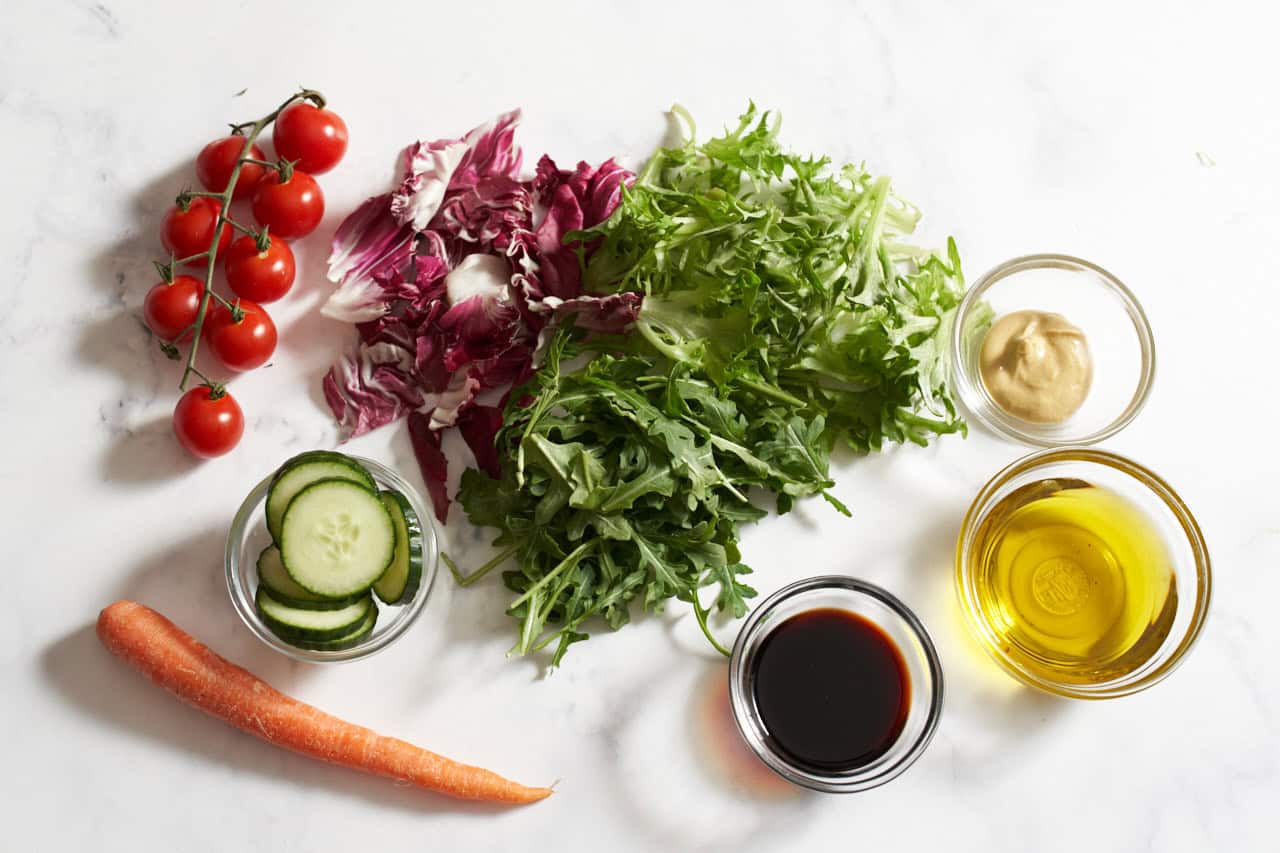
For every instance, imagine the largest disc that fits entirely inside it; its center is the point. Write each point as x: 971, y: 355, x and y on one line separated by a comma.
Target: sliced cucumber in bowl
x: 340, y: 552
x: 346, y: 641
x: 284, y: 589
x: 336, y: 538
x: 401, y: 579
x: 303, y: 470
x: 296, y: 624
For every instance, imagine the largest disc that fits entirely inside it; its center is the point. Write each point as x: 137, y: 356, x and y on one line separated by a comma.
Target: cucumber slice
x: 346, y: 641
x: 294, y: 623
x: 400, y: 581
x: 284, y: 589
x: 314, y: 456
x: 336, y: 538
x: 303, y: 470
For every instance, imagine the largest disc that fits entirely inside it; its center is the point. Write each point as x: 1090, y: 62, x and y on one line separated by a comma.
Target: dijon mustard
x: 1036, y: 366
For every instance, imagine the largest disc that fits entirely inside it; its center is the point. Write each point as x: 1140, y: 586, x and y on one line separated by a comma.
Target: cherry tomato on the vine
x: 208, y: 423
x: 189, y: 232
x: 217, y: 161
x: 289, y: 209
x: 243, y: 344
x: 315, y: 138
x: 260, y: 276
x: 170, y: 307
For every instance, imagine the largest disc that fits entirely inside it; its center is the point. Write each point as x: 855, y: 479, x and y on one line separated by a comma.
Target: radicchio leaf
x: 491, y: 152
x: 370, y: 387
x: 488, y: 213
x: 450, y: 283
x: 431, y: 461
x: 479, y: 426
x: 429, y: 167
x: 575, y: 200
x: 367, y: 242
x: 614, y: 312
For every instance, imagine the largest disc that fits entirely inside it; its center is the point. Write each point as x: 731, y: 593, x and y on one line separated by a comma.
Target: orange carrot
x: 187, y: 668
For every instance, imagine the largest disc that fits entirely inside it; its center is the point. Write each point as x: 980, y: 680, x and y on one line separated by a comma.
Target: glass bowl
x: 1094, y: 300
x: 248, y: 536
x: 924, y: 672
x: 1169, y: 517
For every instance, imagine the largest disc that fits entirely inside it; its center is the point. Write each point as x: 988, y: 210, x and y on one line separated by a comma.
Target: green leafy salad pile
x: 784, y: 312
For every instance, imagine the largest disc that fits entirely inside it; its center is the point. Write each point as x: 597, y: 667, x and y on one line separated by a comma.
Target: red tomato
x: 241, y: 345
x: 189, y: 232
x: 171, y: 307
x: 290, y: 209
x: 260, y: 276
x: 218, y: 159
x: 315, y: 138
x: 208, y: 425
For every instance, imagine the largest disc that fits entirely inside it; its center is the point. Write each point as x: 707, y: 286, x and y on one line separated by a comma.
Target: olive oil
x: 1074, y: 580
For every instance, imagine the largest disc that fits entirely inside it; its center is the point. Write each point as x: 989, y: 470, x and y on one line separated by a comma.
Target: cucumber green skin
x: 357, y: 591
x: 311, y: 602
x: 343, y: 642
x: 294, y: 635
x: 317, y: 456
x: 275, y: 513
x: 409, y: 545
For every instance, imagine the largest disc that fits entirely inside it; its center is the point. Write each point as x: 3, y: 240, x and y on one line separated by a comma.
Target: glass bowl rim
x: 1032, y: 434
x: 242, y: 600
x: 1143, y: 476
x: 805, y: 777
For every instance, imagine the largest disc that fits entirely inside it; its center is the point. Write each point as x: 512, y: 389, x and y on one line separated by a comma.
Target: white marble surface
x: 1145, y: 137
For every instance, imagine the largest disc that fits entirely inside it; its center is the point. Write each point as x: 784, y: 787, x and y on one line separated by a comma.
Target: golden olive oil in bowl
x: 1083, y: 573
x: 1075, y: 581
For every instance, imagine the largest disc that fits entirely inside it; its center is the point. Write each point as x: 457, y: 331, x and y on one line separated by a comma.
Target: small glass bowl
x: 1118, y: 334
x: 1151, y: 496
x: 924, y: 671
x: 248, y: 537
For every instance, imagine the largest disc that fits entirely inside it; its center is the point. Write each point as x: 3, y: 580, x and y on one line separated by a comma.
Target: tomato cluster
x: 286, y: 203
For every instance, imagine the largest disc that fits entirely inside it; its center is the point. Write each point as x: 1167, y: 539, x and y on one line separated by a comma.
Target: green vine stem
x: 250, y: 131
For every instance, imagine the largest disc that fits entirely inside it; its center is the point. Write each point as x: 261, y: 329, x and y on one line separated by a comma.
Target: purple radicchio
x: 449, y: 282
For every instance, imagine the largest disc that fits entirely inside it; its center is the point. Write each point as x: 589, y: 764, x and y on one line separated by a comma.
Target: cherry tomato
x: 189, y: 232
x: 315, y: 138
x: 218, y: 159
x: 241, y: 345
x: 260, y: 276
x: 289, y: 209
x: 170, y: 307
x: 208, y: 423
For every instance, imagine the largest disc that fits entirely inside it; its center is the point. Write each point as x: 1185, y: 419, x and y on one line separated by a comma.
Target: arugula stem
x: 701, y: 615
x: 467, y: 580
x: 571, y: 560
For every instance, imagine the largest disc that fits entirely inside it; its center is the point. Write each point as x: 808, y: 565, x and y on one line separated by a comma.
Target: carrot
x: 188, y: 669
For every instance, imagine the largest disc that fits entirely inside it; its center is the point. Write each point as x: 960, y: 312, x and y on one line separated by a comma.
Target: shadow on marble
x: 715, y: 792
x: 1001, y: 719
x: 145, y: 454
x: 125, y: 272
x: 183, y: 582
x: 310, y: 330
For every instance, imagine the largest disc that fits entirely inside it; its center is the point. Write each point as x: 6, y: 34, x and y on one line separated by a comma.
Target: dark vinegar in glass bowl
x: 832, y: 689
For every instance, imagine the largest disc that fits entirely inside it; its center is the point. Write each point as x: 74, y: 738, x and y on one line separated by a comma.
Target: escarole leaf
x: 782, y: 311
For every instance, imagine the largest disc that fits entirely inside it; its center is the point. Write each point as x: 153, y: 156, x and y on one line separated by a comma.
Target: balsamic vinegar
x: 832, y: 689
